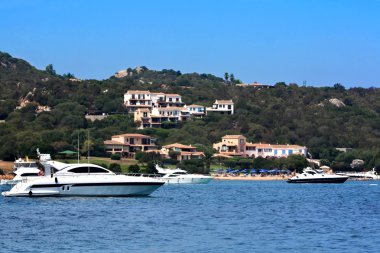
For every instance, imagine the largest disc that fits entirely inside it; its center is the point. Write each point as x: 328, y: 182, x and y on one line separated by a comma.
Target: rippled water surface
x: 222, y: 216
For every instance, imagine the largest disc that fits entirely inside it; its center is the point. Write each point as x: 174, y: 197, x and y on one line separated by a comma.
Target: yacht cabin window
x: 88, y: 169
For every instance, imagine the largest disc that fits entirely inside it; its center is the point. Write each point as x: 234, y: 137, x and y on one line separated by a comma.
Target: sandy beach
x: 250, y: 178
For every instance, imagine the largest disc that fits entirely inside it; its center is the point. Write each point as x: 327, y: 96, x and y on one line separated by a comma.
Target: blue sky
x: 322, y: 42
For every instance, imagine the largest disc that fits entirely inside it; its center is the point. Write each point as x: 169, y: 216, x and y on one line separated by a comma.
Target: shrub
x: 115, y: 157
x: 169, y: 161
x: 1, y: 172
x: 134, y: 168
x: 115, y: 167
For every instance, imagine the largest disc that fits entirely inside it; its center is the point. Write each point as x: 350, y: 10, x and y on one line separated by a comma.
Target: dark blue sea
x: 222, y: 216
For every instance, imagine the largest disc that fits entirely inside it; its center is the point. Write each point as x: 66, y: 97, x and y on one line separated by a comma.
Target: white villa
x: 151, y: 109
x: 196, y: 110
x: 222, y: 107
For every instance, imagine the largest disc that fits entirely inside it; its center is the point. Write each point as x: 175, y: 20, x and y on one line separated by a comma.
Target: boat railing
x: 142, y: 175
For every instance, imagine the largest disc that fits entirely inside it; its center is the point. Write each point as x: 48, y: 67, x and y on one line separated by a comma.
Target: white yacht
x: 371, y: 175
x: 310, y: 175
x: 84, y: 180
x: 178, y: 176
x: 25, y: 169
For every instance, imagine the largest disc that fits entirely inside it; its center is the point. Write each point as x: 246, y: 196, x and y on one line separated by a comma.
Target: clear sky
x: 322, y: 42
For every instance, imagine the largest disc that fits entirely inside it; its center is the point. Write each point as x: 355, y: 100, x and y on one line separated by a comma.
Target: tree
x: 50, y: 70
x: 68, y: 75
x: 134, y: 168
x: 232, y: 78
x: 174, y: 154
x: 339, y: 87
x: 226, y: 76
x: 115, y: 167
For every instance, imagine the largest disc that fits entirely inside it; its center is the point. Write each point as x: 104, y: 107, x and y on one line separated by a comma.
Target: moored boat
x: 84, y: 180
x: 310, y: 175
x: 178, y: 176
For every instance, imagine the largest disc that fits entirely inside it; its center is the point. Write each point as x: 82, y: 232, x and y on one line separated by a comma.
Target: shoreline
x: 250, y: 178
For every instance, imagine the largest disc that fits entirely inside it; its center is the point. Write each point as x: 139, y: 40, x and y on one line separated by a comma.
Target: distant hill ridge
x: 319, y: 118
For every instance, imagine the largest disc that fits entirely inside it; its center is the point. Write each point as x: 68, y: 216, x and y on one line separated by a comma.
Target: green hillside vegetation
x: 285, y: 114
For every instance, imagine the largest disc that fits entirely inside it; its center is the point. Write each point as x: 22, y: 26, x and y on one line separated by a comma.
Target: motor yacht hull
x: 186, y: 180
x: 339, y: 180
x: 66, y: 187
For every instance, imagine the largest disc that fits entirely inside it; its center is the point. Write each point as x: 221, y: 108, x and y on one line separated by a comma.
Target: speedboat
x: 310, y: 175
x: 178, y: 176
x: 83, y: 180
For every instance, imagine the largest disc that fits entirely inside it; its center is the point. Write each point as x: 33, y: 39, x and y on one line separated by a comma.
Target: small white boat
x: 178, y: 176
x: 310, y: 175
x: 84, y: 180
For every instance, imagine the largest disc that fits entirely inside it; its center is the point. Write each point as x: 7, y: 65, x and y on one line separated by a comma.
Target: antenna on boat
x: 78, y: 148
x: 88, y: 146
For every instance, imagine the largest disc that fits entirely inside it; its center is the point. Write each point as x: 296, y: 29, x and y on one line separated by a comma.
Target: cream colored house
x: 155, y: 117
x: 185, y: 152
x: 128, y: 144
x: 231, y: 145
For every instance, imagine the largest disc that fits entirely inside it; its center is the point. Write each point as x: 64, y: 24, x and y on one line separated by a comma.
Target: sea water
x: 222, y: 216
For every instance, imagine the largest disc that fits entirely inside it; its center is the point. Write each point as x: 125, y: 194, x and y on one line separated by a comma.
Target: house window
x: 132, y: 141
x: 290, y: 151
x: 284, y: 152
x: 145, y: 114
x: 229, y: 107
x: 275, y: 152
x: 177, y: 99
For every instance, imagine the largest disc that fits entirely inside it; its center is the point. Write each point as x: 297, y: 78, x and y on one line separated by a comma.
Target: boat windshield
x: 25, y: 165
x: 179, y: 173
x: 88, y: 169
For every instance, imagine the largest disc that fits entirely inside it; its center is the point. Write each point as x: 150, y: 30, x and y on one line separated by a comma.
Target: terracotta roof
x: 192, y: 153
x: 111, y: 142
x: 140, y: 145
x: 157, y: 93
x: 275, y: 146
x: 194, y: 106
x: 177, y: 145
x: 143, y: 110
x: 224, y: 102
x: 231, y: 153
x: 233, y: 136
x: 132, y: 135
x: 173, y: 95
x: 138, y: 92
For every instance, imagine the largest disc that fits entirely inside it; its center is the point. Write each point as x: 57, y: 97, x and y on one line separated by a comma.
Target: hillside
x: 320, y: 118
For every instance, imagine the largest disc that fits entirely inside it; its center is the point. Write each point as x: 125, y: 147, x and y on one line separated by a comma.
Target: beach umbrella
x: 68, y: 152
